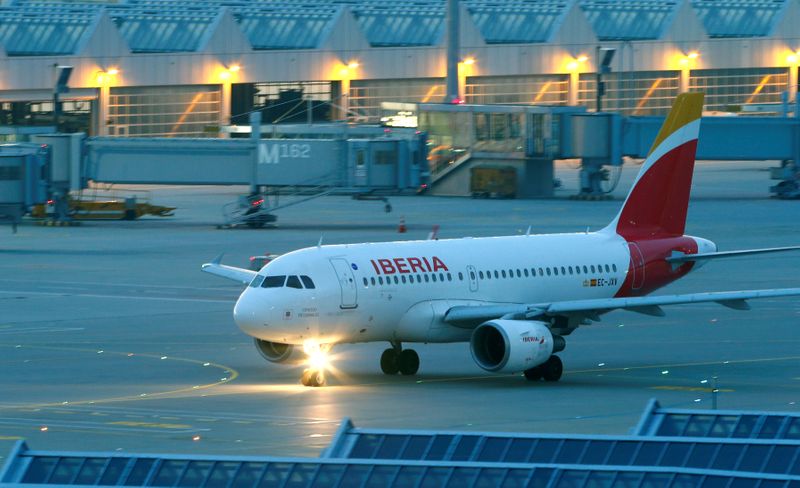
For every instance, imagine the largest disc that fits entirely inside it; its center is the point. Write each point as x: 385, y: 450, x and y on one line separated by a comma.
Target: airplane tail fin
x: 657, y: 203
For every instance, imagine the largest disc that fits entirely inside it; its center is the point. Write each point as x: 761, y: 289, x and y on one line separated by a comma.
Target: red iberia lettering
x: 374, y: 265
x: 387, y: 266
x: 416, y: 265
x: 402, y: 267
x: 438, y: 264
x: 427, y: 265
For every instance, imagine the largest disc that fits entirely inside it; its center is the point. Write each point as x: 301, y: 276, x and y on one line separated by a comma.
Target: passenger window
x: 441, y: 276
x: 510, y: 273
x: 548, y: 271
x: 366, y: 283
x: 570, y: 270
x: 577, y: 270
x: 541, y: 273
x: 503, y: 273
x: 526, y: 272
x: 410, y: 278
x: 257, y: 281
x: 427, y: 278
x: 563, y: 270
x: 294, y: 282
x: 450, y: 277
x: 403, y: 279
x: 480, y: 274
x: 533, y: 272
x: 419, y: 279
x: 614, y: 267
x: 372, y: 280
x: 555, y: 271
x: 519, y: 274
x: 396, y: 280
x: 310, y: 284
x: 273, y: 281
x: 461, y: 276
x: 380, y: 279
x: 496, y: 274
x: 433, y: 277
x: 585, y: 270
x: 591, y: 268
x: 608, y: 270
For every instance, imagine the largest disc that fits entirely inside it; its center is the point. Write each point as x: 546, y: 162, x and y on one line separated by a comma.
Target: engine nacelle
x: 510, y: 346
x: 277, y: 352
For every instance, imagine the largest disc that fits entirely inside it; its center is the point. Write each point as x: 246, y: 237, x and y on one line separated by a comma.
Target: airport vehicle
x: 514, y: 299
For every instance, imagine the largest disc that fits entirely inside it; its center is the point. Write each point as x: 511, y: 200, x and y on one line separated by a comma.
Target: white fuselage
x: 400, y: 290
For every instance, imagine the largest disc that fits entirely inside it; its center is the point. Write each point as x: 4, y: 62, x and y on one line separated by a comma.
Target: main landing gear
x: 550, y: 370
x: 398, y: 360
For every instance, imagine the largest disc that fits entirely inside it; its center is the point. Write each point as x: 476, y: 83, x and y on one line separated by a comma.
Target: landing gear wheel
x: 389, y: 360
x: 533, y: 374
x: 552, y: 369
x: 408, y: 362
x: 313, y: 377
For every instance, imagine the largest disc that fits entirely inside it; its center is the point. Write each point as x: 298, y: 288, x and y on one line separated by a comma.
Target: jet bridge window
x: 273, y: 281
x: 294, y: 282
x: 257, y: 281
x: 308, y: 282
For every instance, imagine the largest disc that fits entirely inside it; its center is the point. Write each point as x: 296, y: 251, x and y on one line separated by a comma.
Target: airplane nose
x: 245, y: 312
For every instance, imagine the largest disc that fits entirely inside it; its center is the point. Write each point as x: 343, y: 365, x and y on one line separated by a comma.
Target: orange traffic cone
x: 401, y: 229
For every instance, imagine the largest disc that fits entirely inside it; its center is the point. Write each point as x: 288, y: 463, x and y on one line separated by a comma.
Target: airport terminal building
x: 196, y: 68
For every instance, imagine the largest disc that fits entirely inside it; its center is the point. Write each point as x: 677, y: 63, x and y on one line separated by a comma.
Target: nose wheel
x: 313, y: 377
x: 398, y: 360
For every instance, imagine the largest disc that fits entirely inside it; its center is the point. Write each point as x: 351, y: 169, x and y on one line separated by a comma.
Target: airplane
x: 514, y: 299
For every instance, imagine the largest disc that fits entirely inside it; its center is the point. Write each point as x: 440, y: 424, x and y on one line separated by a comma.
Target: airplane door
x: 347, y: 282
x: 473, y: 278
x: 637, y: 266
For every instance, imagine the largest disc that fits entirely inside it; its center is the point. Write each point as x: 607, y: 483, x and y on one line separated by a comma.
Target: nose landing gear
x: 398, y: 360
x: 313, y: 377
x: 318, y: 363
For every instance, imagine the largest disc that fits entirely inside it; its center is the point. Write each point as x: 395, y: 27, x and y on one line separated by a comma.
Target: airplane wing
x: 472, y: 316
x: 680, y: 258
x: 244, y: 276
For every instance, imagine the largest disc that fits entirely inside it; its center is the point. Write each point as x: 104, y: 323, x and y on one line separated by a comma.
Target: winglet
x: 218, y: 259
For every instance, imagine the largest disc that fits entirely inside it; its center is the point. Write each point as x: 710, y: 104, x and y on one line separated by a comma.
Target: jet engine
x: 509, y: 346
x: 277, y: 352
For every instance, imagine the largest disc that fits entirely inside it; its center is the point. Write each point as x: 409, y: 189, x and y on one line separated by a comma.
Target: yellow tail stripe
x: 687, y: 108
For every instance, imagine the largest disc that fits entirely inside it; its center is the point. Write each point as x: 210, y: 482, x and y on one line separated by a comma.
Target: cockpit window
x: 307, y: 282
x: 294, y: 282
x: 257, y: 281
x: 273, y: 281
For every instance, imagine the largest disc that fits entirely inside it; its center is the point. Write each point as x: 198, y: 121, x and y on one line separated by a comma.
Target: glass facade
x: 632, y: 93
x: 728, y: 89
x: 366, y: 95
x: 165, y: 111
x: 541, y: 90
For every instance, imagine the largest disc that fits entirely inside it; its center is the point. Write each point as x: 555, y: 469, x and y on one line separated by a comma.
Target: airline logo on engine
x: 408, y: 265
x: 540, y: 340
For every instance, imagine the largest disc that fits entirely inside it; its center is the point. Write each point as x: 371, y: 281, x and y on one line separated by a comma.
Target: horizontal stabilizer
x: 241, y: 275
x: 678, y: 258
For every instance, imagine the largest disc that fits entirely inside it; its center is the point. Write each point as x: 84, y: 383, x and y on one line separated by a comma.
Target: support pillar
x: 792, y: 88
x: 225, y: 107
x: 572, y: 89
x: 452, y: 52
x: 686, y: 72
x: 103, y: 101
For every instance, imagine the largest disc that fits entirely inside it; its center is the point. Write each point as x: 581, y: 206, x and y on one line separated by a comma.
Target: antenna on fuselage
x: 528, y: 232
x: 319, y: 244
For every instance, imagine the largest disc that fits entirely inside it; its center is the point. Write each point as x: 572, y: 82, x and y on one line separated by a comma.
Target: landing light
x: 317, y: 356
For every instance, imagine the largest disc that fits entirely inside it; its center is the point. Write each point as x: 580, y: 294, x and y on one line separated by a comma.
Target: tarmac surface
x: 112, y: 339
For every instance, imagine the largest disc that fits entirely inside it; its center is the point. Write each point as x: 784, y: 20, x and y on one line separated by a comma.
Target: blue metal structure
x: 29, y: 468
x: 739, y: 18
x: 405, y: 458
x: 674, y: 422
